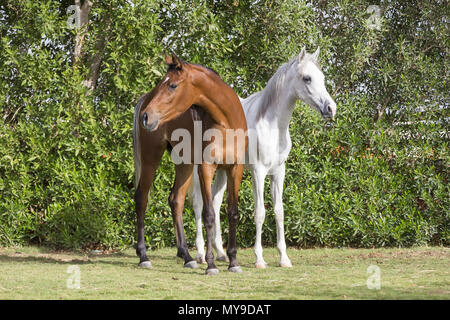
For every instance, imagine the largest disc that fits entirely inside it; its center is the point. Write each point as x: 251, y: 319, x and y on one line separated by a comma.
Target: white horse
x: 268, y: 113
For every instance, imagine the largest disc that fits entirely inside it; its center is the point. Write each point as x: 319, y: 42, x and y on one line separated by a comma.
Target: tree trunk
x: 79, y: 56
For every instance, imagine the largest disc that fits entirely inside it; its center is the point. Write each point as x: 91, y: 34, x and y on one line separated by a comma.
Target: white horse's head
x: 310, y: 85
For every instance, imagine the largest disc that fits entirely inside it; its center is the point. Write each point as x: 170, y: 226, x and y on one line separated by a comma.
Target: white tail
x: 190, y: 192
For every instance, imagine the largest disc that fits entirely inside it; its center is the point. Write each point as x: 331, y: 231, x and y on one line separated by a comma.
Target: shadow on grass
x: 103, y: 259
x: 24, y: 259
x: 52, y: 260
x: 163, y: 262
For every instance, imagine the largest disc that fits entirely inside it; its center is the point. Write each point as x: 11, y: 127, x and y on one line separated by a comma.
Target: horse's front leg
x: 276, y: 186
x: 234, y: 175
x: 140, y: 200
x: 218, y: 189
x: 183, y: 176
x: 206, y: 173
x: 258, y: 176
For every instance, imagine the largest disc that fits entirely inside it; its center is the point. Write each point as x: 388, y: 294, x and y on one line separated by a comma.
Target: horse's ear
x: 168, y: 59
x: 173, y: 61
x: 177, y: 62
x: 316, y: 54
x: 302, y: 55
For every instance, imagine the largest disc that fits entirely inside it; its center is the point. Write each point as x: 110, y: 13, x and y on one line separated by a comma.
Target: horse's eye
x: 172, y: 86
x: 307, y: 79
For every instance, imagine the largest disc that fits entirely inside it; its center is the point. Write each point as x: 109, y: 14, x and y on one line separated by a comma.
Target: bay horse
x: 158, y: 115
x: 268, y: 113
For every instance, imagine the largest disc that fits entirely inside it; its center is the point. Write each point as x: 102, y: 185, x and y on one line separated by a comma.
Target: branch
x: 79, y: 38
x: 94, y: 70
x: 382, y: 110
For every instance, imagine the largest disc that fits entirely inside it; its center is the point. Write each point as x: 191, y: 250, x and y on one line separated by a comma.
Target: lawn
x: 414, y: 273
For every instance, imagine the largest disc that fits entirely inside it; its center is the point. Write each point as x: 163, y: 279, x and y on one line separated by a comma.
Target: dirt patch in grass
x: 44, y: 257
x: 406, y: 254
x: 402, y: 254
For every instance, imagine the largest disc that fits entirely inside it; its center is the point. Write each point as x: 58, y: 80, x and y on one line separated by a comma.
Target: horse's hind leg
x: 218, y: 189
x: 183, y: 176
x: 234, y: 175
x: 197, y: 203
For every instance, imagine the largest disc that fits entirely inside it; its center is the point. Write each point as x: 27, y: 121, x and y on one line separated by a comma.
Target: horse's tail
x: 194, y: 192
x: 136, y: 142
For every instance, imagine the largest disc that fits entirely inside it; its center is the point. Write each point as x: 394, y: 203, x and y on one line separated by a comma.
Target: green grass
x: 39, y: 273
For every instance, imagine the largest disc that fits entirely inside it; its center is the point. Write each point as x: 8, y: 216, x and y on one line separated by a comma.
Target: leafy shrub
x: 377, y: 177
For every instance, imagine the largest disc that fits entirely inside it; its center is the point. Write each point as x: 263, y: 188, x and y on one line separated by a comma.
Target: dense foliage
x: 377, y: 177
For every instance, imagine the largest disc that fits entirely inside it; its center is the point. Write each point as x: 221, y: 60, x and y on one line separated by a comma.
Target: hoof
x: 261, y: 265
x: 236, y: 269
x: 191, y: 264
x: 145, y: 264
x: 200, y: 258
x: 222, y: 258
x: 286, y: 264
x: 212, y: 272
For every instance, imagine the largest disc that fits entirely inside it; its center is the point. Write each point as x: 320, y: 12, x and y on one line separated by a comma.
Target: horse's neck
x: 221, y: 103
x: 279, y: 113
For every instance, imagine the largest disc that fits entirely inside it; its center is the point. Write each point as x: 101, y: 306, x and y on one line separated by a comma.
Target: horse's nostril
x: 146, y: 124
x: 329, y: 109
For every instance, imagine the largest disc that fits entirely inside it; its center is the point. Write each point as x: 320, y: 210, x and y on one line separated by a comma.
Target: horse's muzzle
x: 326, y: 110
x: 149, y: 124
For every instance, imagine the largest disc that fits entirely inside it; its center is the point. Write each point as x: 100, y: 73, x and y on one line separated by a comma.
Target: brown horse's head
x: 173, y: 95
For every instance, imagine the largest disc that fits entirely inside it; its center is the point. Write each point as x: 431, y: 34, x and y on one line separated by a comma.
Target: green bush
x: 378, y: 176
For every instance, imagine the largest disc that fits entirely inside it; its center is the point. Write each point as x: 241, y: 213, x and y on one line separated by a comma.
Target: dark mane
x: 173, y: 67
x: 200, y: 65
